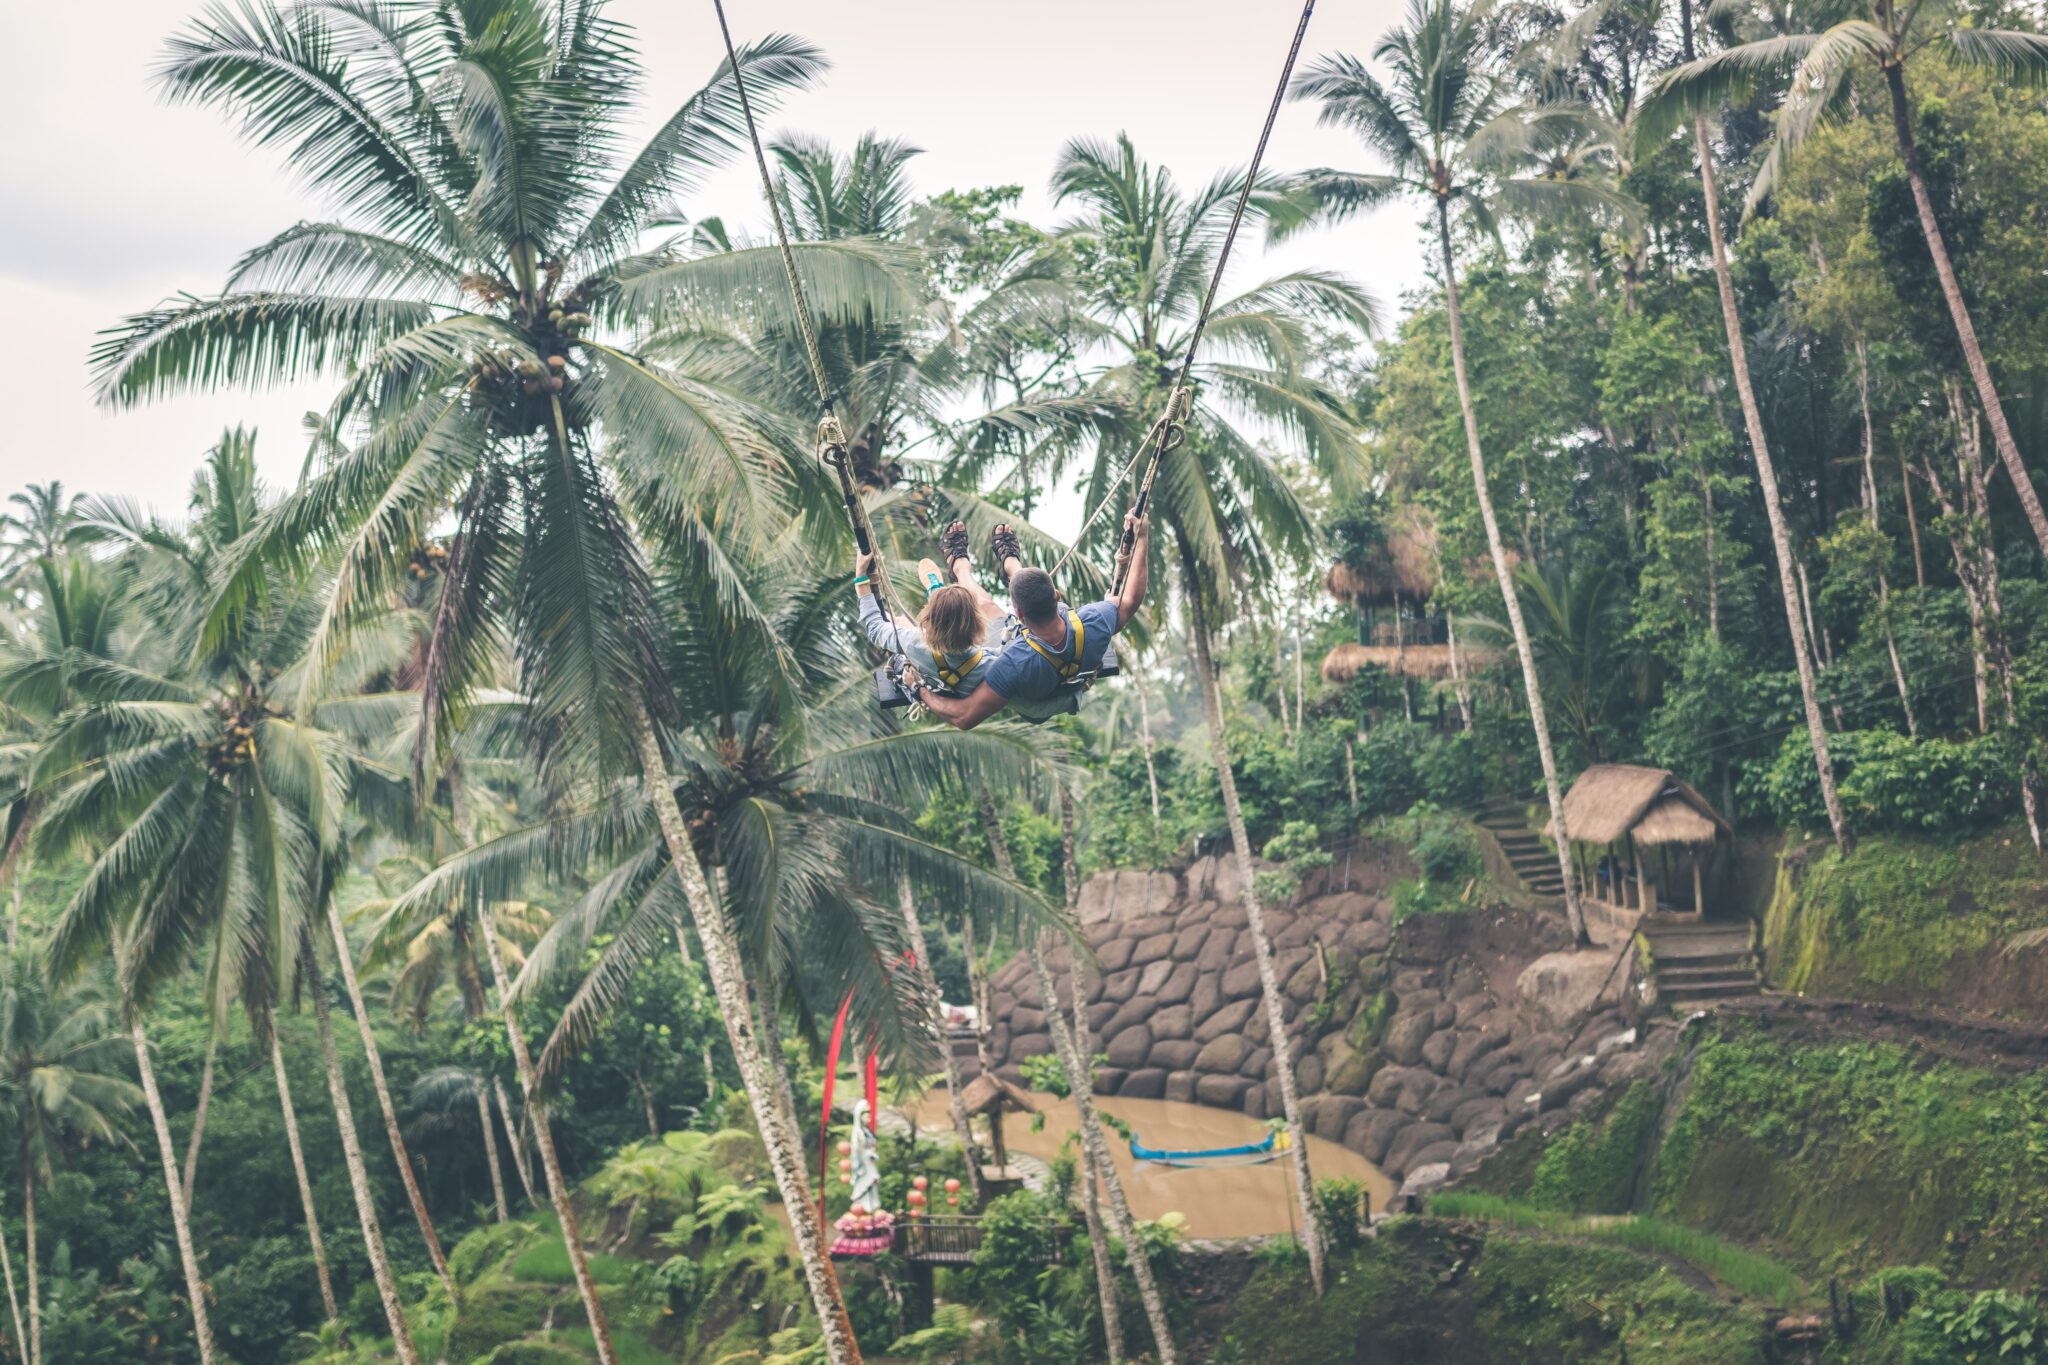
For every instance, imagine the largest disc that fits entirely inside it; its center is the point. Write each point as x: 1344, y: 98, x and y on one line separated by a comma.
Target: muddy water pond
x: 1220, y: 1201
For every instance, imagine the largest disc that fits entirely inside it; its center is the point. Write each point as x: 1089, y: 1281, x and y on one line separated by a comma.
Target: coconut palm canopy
x: 1611, y: 801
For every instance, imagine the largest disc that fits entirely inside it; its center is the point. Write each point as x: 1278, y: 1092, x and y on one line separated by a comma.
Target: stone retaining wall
x: 1429, y: 1048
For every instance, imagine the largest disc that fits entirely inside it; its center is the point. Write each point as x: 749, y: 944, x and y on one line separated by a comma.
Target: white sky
x: 114, y: 201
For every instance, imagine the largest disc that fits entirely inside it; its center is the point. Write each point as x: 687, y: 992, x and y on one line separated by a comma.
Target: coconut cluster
x: 517, y: 385
x: 235, y: 746
x: 427, y: 560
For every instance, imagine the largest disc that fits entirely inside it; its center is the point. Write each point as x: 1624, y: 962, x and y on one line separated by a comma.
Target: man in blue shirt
x: 1058, y: 643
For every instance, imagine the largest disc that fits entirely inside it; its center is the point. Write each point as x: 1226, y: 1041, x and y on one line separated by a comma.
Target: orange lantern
x: 846, y: 1149
x: 954, y: 1200
x: 952, y: 1187
x: 919, y: 1183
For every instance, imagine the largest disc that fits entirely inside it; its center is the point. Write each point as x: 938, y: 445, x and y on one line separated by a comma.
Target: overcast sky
x: 114, y: 201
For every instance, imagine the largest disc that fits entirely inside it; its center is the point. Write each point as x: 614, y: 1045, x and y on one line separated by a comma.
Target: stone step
x: 1720, y: 989
x: 1695, y: 945
x: 1744, y: 966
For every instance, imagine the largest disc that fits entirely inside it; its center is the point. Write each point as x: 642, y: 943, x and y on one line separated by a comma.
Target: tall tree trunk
x: 181, y: 1201
x: 1767, y: 477
x: 291, y: 1138
x: 21, y: 1346
x: 1574, y: 913
x: 928, y: 987
x: 1977, y: 569
x: 1255, y: 919
x: 1080, y: 1080
x: 1958, y: 310
x: 358, y: 1174
x: 199, y: 1120
x: 1084, y: 1047
x: 1152, y: 764
x: 1912, y: 525
x: 1459, y: 685
x: 35, y: 1290
x: 1884, y: 591
x: 483, y: 1117
x: 728, y: 985
x: 513, y: 1142
x: 345, y: 959
x: 1713, y: 569
x: 558, y: 1186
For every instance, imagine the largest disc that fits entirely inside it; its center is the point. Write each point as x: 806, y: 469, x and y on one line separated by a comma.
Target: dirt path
x: 1961, y: 1038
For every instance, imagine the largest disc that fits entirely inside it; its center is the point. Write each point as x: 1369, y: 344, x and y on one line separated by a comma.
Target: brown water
x: 1220, y: 1201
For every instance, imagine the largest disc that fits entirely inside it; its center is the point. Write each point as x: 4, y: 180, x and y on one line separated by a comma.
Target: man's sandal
x: 1004, y: 545
x: 953, y: 544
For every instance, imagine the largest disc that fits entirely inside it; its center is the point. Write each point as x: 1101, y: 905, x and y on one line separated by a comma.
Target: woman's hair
x: 949, y: 621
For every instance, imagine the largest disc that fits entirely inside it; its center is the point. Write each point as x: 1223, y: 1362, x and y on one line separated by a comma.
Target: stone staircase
x: 1696, y: 963
x: 1532, y: 859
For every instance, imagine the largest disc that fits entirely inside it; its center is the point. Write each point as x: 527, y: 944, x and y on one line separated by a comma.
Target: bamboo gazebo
x: 1617, y: 812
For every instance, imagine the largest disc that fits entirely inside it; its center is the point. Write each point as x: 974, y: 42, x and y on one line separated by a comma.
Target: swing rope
x: 831, y: 438
x: 1171, y: 429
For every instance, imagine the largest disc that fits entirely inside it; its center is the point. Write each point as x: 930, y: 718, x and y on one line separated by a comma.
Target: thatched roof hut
x: 1405, y: 564
x: 1431, y: 663
x: 988, y: 1093
x: 1649, y: 806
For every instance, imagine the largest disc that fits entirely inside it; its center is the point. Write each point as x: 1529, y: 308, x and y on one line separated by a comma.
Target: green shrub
x: 1888, y: 781
x: 1995, y: 1325
x: 1591, y: 1167
x: 1342, y: 1212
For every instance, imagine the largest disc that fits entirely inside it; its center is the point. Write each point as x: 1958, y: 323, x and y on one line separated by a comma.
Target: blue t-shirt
x: 1021, y: 674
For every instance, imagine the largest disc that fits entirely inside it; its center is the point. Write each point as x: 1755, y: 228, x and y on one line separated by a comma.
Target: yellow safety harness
x: 953, y: 677
x: 1077, y: 636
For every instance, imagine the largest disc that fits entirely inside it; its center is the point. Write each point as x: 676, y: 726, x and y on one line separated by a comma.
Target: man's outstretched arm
x: 1133, y: 595
x: 964, y: 713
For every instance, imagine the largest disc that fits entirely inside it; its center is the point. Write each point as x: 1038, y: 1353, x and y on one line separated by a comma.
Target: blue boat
x: 1263, y: 1150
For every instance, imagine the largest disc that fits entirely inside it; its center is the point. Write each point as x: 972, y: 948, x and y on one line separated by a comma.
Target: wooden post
x: 1699, y: 905
x: 1643, y: 902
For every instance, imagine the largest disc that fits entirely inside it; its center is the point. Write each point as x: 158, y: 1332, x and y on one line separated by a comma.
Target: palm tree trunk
x: 1458, y: 686
x: 358, y: 1174
x: 512, y: 1141
x: 729, y: 986
x: 1912, y: 524
x: 371, y: 1054
x: 558, y: 1186
x: 483, y: 1115
x: 1145, y: 736
x: 1884, y: 591
x: 13, y: 1299
x: 1080, y: 1082
x: 35, y: 1293
x: 928, y: 987
x: 1767, y: 477
x: 199, y: 1120
x: 181, y: 1201
x: 1255, y: 917
x: 1958, y: 310
x: 1574, y: 914
x: 291, y: 1138
x: 1084, y: 1048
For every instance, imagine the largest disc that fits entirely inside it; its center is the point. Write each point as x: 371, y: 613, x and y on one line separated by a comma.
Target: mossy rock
x: 497, y: 1315
x: 1369, y: 1025
x: 489, y: 1247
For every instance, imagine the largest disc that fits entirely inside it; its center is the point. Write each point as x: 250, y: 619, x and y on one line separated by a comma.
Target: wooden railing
x: 951, y: 1240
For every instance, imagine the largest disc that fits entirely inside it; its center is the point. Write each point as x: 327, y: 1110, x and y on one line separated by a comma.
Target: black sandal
x: 953, y: 544
x: 1004, y: 545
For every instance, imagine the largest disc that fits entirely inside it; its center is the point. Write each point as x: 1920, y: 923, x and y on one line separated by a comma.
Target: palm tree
x: 790, y: 787
x: 44, y: 523
x: 1815, y: 68
x: 58, y: 1051
x: 1148, y: 251
x: 444, y: 948
x: 490, y: 255
x: 1450, y: 128
x: 211, y: 801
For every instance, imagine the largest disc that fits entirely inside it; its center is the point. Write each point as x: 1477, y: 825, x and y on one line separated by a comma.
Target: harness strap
x: 1077, y: 632
x: 952, y: 677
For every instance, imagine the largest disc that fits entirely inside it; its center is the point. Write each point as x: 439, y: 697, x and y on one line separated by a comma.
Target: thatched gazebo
x: 990, y: 1094
x: 1618, y: 807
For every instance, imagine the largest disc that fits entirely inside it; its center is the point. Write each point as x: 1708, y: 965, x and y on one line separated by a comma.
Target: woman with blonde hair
x: 961, y: 628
